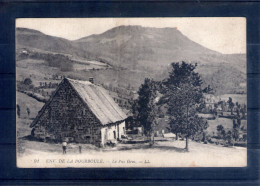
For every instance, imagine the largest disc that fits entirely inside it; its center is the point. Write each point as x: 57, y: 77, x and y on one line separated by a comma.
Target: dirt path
x: 162, y: 154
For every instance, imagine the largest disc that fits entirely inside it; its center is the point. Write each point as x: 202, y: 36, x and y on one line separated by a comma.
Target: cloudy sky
x: 225, y: 35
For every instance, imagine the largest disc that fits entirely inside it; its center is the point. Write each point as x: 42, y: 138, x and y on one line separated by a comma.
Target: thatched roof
x: 99, y: 101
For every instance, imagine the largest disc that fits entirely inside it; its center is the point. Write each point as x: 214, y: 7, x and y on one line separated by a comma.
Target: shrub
x: 27, y: 81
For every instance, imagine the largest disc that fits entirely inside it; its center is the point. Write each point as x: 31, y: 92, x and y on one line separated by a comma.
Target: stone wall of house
x: 112, y: 132
x: 121, y: 129
x: 67, y: 117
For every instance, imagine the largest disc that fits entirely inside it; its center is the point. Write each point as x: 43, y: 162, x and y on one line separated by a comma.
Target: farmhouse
x: 80, y: 111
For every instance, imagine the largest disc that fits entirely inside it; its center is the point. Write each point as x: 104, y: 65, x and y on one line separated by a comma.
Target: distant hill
x: 35, y: 39
x: 137, y: 52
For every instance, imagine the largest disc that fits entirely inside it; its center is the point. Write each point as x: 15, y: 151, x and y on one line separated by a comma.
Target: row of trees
x: 231, y: 136
x: 27, y: 86
x: 48, y: 85
x: 181, y: 93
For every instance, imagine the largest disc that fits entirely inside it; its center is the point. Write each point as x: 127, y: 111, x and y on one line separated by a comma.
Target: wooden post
x: 117, y: 131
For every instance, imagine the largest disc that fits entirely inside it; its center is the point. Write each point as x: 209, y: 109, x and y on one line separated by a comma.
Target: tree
x: 28, y: 111
x: 220, y: 128
x: 184, y: 96
x: 27, y: 81
x: 229, y: 137
x: 243, y: 111
x: 235, y: 131
x: 145, y: 107
x: 208, y: 90
x: 215, y: 112
x: 238, y: 112
x: 221, y: 131
x: 231, y: 104
x: 18, y: 110
x: 238, y: 122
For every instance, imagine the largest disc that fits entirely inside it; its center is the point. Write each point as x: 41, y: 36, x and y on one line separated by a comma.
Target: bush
x: 27, y: 81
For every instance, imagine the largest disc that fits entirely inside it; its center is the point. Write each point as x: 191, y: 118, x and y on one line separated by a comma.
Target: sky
x: 225, y: 35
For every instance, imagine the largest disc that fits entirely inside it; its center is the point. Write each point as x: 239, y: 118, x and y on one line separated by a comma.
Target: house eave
x: 114, y: 123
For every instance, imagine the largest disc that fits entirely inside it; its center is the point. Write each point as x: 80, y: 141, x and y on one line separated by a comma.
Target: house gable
x: 65, y: 115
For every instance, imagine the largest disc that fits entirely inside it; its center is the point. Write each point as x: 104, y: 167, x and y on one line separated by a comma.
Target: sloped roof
x: 99, y: 101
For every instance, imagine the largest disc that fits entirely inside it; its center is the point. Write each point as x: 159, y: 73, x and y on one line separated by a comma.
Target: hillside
x: 150, y: 46
x: 141, y: 46
x: 136, y: 52
x: 35, y: 39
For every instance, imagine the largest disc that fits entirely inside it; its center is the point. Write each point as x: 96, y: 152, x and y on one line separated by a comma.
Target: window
x: 87, y: 137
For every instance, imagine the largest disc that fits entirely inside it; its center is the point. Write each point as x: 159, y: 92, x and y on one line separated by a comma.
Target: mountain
x: 137, y: 52
x: 134, y: 46
x: 145, y: 46
x: 34, y: 39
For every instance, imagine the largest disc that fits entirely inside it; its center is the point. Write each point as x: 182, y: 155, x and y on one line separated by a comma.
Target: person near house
x: 80, y: 149
x: 64, y: 147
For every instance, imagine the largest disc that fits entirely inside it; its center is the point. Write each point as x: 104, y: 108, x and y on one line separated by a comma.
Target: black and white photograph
x: 131, y: 92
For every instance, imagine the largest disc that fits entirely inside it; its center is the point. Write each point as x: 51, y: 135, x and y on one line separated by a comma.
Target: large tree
x: 145, y: 107
x: 184, y: 96
x: 231, y: 105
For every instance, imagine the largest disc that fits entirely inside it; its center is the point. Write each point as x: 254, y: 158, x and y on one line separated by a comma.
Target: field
x: 27, y: 102
x: 227, y: 123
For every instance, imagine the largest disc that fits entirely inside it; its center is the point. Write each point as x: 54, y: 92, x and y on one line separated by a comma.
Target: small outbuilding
x: 80, y: 111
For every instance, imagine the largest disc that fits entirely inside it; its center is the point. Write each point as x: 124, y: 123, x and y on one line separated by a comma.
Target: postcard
x: 131, y: 92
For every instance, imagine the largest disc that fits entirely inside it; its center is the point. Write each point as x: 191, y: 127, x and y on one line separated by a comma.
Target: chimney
x: 91, y: 80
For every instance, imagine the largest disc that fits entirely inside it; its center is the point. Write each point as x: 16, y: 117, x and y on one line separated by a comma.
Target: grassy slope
x: 24, y: 121
x: 37, y: 70
x: 27, y: 102
x: 226, y: 123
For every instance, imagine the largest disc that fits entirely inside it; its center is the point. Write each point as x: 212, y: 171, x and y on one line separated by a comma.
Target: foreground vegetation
x: 183, y: 98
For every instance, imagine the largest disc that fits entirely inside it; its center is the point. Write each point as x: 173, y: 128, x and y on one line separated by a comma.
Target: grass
x: 25, y: 102
x: 225, y: 122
